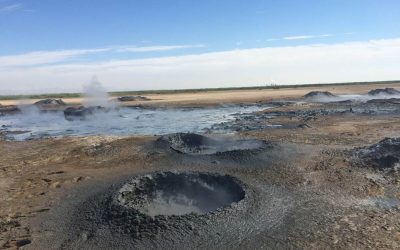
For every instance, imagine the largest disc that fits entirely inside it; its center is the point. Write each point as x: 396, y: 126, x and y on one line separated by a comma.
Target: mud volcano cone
x: 195, y: 144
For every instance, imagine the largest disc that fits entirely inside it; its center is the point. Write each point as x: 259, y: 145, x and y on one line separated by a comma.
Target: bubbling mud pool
x: 168, y: 193
x: 32, y: 124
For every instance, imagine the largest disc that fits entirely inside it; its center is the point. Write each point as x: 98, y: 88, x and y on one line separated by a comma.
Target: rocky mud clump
x: 189, y: 143
x: 384, y: 155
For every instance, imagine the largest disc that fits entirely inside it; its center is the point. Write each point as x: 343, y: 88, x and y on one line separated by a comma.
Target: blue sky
x: 35, y: 34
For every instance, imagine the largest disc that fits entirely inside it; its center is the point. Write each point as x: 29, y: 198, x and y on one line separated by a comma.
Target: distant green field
x: 173, y: 91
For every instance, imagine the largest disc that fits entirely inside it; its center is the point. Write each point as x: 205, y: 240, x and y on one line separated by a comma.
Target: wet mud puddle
x: 32, y: 124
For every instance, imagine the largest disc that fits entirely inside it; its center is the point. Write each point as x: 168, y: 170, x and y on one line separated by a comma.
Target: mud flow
x: 171, y: 193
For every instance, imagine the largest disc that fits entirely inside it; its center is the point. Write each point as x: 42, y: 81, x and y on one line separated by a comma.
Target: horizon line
x: 154, y: 91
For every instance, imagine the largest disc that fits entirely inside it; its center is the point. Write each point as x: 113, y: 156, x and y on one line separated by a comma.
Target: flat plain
x: 315, y: 186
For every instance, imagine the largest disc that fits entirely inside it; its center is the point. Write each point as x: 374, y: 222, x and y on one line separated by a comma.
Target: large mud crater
x: 169, y: 193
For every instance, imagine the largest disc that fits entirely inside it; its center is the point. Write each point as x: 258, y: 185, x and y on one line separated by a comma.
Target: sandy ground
x: 330, y: 205
x: 233, y: 96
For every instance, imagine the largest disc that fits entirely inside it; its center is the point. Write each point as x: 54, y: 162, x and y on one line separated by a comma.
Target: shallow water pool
x: 31, y: 124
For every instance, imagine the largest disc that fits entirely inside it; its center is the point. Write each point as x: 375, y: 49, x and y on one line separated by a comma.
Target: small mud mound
x: 50, y: 102
x: 9, y: 109
x: 132, y: 98
x: 188, y: 143
x: 169, y: 193
x: 385, y: 91
x: 319, y: 94
x: 81, y: 112
x: 385, y: 155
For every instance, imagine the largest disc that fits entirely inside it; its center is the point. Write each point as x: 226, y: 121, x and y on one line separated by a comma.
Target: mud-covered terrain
x: 304, y: 174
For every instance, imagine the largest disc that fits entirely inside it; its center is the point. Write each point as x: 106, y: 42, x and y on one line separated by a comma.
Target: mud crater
x: 148, y: 205
x: 195, y: 144
x: 169, y: 193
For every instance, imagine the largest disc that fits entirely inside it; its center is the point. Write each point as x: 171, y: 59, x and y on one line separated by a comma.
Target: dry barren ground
x: 304, y: 193
x: 232, y: 96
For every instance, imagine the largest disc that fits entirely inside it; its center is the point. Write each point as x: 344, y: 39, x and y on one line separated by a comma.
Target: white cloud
x: 57, y: 56
x: 302, y: 37
x: 354, y: 61
x: 305, y: 37
x: 159, y: 48
x: 11, y: 7
x: 43, y: 57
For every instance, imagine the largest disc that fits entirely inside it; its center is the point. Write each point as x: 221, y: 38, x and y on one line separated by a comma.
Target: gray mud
x: 384, y: 155
x: 168, y: 193
x: 96, y: 222
x: 385, y: 91
x: 245, y: 206
x: 260, y: 195
x: 262, y: 120
x: 81, y: 121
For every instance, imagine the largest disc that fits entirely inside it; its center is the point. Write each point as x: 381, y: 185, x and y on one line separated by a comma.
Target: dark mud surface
x: 384, y: 155
x: 303, y: 113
